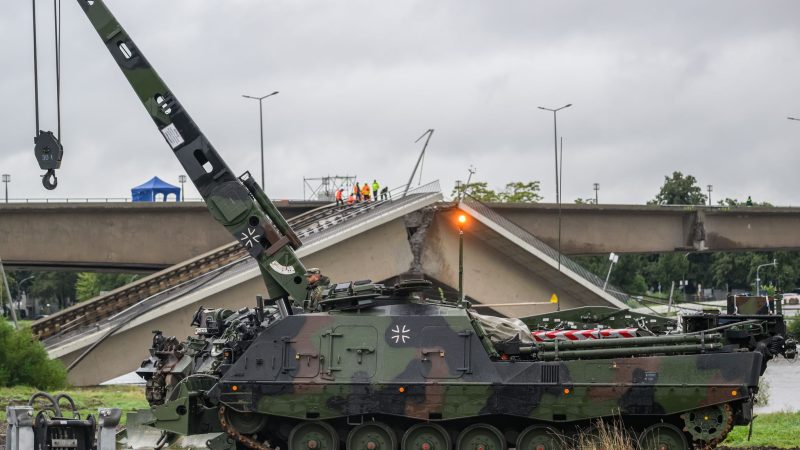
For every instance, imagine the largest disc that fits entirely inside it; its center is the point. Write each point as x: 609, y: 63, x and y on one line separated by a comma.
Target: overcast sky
x: 700, y: 87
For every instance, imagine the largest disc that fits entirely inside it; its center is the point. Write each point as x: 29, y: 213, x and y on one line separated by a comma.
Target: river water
x: 784, y: 386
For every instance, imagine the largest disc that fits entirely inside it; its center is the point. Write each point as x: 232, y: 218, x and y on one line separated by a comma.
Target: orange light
x: 401, y: 389
x: 734, y: 393
x: 462, y: 218
x: 234, y: 388
x: 566, y: 391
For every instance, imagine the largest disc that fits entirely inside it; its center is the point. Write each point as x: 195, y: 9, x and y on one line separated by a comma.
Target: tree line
x: 61, y: 289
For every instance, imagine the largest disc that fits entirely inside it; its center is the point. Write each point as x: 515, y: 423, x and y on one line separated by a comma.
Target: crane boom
x: 238, y: 203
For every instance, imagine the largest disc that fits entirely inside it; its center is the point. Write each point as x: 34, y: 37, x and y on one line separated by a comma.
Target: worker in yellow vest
x: 375, y: 189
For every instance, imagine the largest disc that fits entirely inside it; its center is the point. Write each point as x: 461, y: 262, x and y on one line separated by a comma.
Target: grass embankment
x: 774, y: 430
x: 88, y: 400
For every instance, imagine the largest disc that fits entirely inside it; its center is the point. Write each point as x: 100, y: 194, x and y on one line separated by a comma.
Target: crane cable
x: 35, y: 69
x: 57, y: 34
x: 48, y: 147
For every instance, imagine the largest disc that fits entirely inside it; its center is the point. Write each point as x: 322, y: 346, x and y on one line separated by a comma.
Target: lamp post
x: 20, y: 291
x: 758, y: 278
x: 555, y: 142
x: 613, y: 257
x: 596, y: 188
x: 558, y: 185
x: 6, y: 180
x: 5, y: 293
x: 261, y: 125
x: 683, y: 284
x: 462, y: 219
x: 710, y: 188
x: 463, y: 187
x: 182, y: 180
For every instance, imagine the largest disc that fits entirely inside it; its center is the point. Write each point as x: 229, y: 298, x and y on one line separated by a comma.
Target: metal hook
x: 49, y: 180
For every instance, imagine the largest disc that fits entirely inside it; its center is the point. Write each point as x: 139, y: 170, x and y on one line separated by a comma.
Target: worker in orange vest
x: 365, y: 191
x: 351, y: 199
x: 339, y: 199
x: 357, y: 192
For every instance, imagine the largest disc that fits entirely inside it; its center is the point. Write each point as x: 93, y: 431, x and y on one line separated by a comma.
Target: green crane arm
x: 237, y: 203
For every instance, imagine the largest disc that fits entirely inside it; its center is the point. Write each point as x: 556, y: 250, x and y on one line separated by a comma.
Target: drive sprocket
x: 708, y: 426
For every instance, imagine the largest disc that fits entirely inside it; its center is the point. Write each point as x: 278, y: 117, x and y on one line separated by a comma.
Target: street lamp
x: 6, y: 180
x: 261, y: 124
x: 462, y: 219
x: 558, y: 184
x: 758, y: 279
x: 596, y: 188
x: 182, y: 180
x: 613, y: 257
x: 555, y: 142
x: 710, y: 188
x: 20, y: 291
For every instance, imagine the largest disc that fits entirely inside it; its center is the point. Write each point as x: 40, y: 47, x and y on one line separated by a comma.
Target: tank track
x: 563, y: 434
x: 245, y: 440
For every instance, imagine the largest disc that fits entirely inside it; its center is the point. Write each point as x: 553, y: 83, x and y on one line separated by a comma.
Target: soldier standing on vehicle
x: 317, y: 285
x: 375, y: 189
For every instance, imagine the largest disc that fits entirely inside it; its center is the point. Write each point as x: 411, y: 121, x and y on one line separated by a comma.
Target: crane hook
x: 49, y: 180
x: 48, y: 152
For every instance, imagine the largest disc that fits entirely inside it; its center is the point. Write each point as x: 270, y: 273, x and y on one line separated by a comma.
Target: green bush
x: 23, y: 360
x: 793, y: 326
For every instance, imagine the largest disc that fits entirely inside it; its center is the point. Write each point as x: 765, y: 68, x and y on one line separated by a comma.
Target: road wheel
x: 372, y: 436
x: 426, y: 436
x: 663, y: 436
x: 313, y: 436
x: 540, y: 437
x: 481, y: 436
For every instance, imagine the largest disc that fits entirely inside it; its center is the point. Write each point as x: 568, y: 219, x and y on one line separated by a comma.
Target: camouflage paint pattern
x: 427, y: 362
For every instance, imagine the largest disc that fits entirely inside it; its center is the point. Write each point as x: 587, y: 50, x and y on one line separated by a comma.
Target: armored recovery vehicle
x: 381, y: 367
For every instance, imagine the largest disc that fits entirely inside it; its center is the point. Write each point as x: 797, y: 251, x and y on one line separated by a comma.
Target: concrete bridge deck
x: 131, y: 237
x: 597, y: 229
x: 152, y: 236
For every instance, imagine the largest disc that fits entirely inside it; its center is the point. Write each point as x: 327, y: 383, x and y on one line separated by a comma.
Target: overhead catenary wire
x: 428, y: 133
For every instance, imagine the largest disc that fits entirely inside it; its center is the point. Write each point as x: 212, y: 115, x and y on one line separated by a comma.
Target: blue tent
x: 148, y: 191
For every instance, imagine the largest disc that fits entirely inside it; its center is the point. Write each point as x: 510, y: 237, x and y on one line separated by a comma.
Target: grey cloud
x: 702, y: 87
